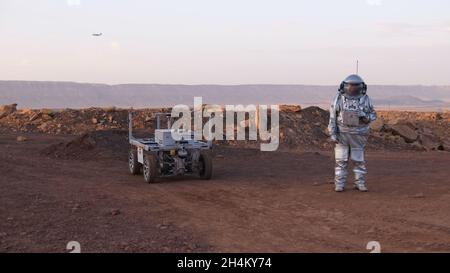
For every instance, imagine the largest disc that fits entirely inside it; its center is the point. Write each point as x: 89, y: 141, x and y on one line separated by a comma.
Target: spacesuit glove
x: 362, y: 114
x: 364, y: 117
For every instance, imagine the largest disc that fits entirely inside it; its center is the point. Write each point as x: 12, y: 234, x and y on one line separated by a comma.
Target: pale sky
x: 225, y: 41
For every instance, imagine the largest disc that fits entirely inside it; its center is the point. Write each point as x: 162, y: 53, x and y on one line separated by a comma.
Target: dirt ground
x: 256, y: 202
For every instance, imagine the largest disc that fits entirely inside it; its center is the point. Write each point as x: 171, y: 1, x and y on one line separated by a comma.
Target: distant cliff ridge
x: 29, y: 94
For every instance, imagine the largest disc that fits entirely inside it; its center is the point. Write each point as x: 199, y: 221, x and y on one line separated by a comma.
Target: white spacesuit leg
x: 341, y: 153
x: 357, y: 146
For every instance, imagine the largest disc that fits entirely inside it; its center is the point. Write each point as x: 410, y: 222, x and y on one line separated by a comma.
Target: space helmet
x: 353, y: 86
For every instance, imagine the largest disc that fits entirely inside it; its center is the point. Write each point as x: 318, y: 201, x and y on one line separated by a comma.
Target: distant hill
x: 407, y: 101
x: 80, y: 95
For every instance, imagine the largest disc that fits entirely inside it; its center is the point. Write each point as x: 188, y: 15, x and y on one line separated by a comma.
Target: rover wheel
x: 205, y: 166
x: 150, y: 168
x: 133, y: 164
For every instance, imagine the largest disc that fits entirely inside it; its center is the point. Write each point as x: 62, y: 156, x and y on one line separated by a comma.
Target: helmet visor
x: 353, y: 89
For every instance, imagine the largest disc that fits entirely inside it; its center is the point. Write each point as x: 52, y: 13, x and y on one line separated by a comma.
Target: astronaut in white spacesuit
x: 350, y: 115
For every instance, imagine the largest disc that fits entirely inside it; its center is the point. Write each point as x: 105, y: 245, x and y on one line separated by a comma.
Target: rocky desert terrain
x: 64, y: 177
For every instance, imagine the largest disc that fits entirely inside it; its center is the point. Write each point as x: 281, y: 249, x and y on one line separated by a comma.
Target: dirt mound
x: 429, y: 131
x: 91, y: 146
x: 74, y: 121
x: 300, y: 129
x: 305, y: 129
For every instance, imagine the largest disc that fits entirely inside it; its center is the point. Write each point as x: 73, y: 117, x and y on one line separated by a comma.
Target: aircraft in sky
x: 97, y: 34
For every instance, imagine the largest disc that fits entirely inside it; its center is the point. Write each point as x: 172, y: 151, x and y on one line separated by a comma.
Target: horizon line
x: 217, y: 84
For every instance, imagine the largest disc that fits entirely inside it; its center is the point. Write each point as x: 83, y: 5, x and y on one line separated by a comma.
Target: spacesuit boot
x: 360, y: 171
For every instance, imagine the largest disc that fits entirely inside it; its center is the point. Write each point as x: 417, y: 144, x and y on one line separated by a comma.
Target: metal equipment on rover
x: 161, y: 155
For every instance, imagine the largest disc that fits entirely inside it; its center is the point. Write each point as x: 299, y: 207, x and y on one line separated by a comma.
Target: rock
x: 34, y: 116
x: 161, y: 226
x: 6, y: 110
x: 76, y: 207
x: 434, y: 116
x: 110, y: 109
x: 400, y: 140
x: 21, y: 139
x: 404, y: 131
x: 165, y: 249
x: 47, y: 112
x: 26, y: 111
x: 43, y: 127
x: 44, y: 114
x: 94, y: 120
x: 371, y: 230
x: 429, y: 142
x: 446, y: 145
x: 115, y: 212
x: 290, y: 108
x: 417, y: 146
x: 391, y: 138
x: 426, y: 130
x: 46, y: 117
x: 418, y: 195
